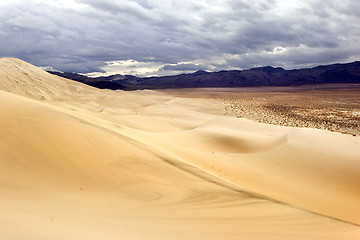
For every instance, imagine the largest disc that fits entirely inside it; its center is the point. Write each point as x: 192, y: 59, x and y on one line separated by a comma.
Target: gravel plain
x: 330, y: 107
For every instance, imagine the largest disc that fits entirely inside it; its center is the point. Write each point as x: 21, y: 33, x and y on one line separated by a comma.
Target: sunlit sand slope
x: 82, y: 163
x: 27, y: 80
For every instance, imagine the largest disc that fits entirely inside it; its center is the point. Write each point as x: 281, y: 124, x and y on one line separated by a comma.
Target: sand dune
x: 82, y: 163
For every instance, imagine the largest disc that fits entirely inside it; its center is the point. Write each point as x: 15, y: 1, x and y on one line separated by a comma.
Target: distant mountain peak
x: 268, y: 69
x: 199, y: 72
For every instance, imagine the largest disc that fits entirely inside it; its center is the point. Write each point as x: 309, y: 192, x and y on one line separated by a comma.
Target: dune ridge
x: 152, y: 166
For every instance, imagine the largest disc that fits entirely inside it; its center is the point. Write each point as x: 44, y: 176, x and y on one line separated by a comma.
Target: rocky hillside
x: 255, y: 77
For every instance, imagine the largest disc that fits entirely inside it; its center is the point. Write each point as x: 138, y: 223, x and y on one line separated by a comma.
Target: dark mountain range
x: 255, y: 77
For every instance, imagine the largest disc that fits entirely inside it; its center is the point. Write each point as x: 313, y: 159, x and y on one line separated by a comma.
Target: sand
x: 82, y: 163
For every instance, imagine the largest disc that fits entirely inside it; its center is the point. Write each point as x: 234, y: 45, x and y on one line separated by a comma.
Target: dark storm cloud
x: 84, y: 35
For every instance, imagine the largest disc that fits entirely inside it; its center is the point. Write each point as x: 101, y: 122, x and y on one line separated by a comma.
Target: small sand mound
x: 225, y: 140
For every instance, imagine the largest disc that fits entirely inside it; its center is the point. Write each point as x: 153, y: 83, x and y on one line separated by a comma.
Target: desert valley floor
x: 83, y: 163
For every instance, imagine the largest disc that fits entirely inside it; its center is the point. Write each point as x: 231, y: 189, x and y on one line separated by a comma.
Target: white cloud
x: 49, y: 68
x: 129, y: 67
x: 279, y: 50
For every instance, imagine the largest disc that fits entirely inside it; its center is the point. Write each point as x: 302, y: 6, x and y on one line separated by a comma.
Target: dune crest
x: 152, y: 166
x: 24, y: 79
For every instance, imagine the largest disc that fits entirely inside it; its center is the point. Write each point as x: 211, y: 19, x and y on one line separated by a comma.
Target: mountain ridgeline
x: 255, y: 77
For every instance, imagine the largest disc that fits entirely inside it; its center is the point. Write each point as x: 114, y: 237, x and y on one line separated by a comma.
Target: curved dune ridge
x: 83, y: 163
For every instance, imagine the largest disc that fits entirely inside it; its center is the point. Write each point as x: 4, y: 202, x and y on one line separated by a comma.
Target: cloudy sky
x: 165, y: 37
